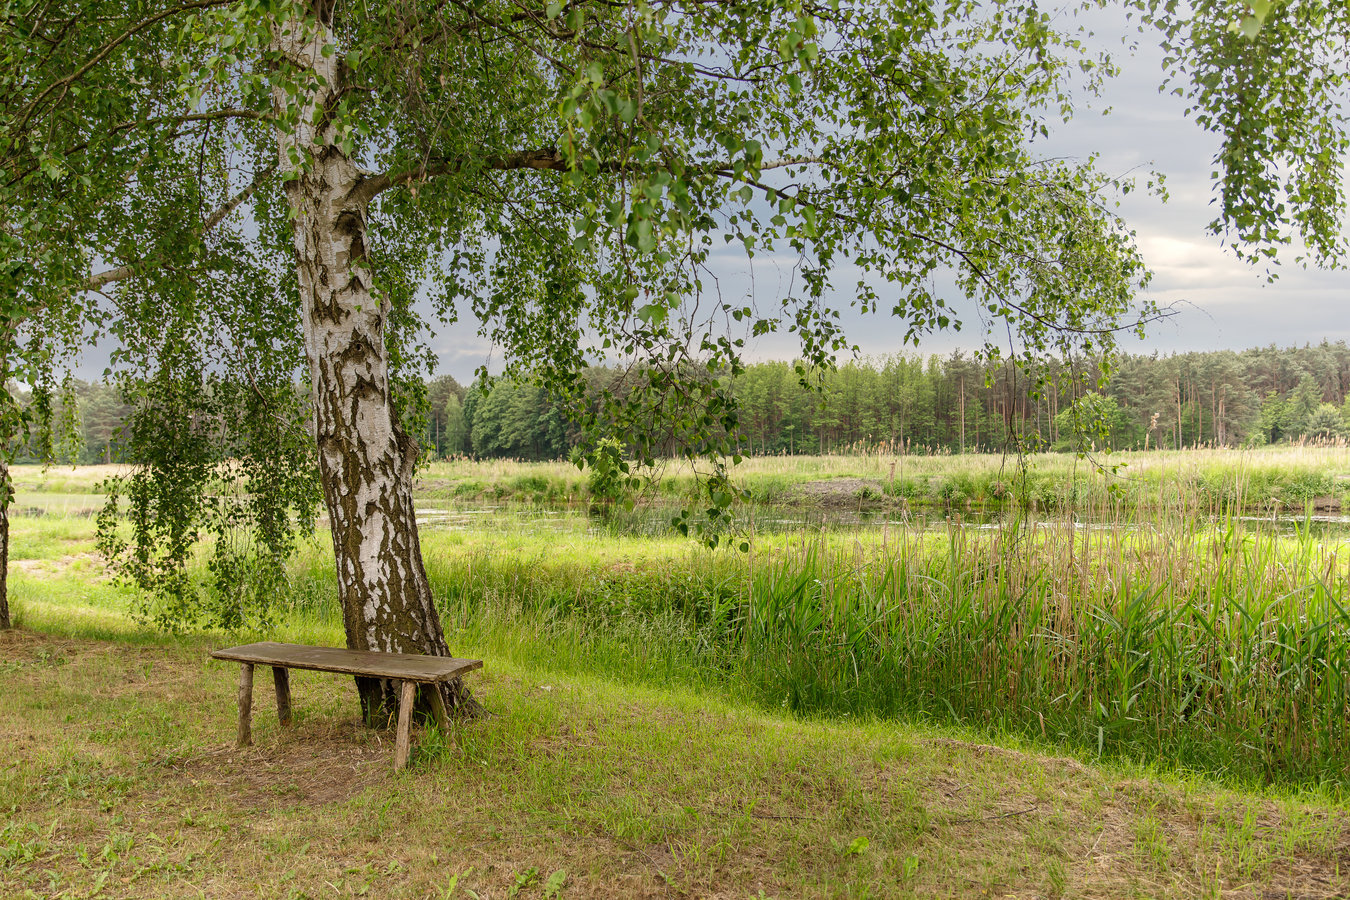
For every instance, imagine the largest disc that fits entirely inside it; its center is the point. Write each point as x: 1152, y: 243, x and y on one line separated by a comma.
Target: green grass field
x: 1137, y: 707
x: 1280, y: 478
x: 122, y: 782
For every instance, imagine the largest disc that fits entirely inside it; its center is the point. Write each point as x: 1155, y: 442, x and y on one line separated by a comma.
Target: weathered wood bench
x: 408, y: 668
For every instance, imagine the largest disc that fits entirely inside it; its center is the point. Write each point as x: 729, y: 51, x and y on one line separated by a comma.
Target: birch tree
x: 260, y: 187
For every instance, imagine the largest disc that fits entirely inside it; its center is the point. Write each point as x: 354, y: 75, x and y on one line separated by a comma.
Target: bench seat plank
x: 400, y: 666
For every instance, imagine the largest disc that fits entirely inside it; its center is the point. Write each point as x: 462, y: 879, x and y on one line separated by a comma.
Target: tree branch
x: 370, y: 188
x: 121, y: 273
x: 216, y: 115
x: 546, y: 159
x: 99, y: 55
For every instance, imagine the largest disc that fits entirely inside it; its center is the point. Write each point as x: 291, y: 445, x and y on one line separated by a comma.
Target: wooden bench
x: 408, y: 668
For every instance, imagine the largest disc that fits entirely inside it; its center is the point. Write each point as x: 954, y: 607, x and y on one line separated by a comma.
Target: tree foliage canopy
x: 573, y: 171
x: 1269, y: 77
x: 570, y: 169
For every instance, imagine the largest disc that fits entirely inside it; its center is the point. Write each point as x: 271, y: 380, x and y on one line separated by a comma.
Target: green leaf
x: 653, y: 313
x: 646, y: 240
x: 809, y: 221
x: 858, y: 846
x: 554, y: 884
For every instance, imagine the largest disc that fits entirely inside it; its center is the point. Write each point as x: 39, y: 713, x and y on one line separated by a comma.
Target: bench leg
x: 406, y: 698
x: 438, y: 708
x: 245, y: 705
x: 281, y: 679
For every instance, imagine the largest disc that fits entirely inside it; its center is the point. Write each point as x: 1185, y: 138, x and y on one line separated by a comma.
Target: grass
x: 1148, y: 706
x: 1218, y: 647
x: 1283, y: 478
x: 59, y: 479
x: 1270, y: 478
x: 122, y: 783
x: 1221, y: 650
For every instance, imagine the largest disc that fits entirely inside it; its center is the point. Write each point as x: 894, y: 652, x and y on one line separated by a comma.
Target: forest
x: 906, y: 402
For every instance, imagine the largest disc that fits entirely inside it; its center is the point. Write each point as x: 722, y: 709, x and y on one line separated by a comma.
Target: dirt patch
x: 48, y: 568
x: 22, y: 645
x: 1053, y: 763
x: 316, y: 765
x: 851, y: 492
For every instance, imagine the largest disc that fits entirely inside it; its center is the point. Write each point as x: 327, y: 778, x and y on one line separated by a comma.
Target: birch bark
x: 365, y: 459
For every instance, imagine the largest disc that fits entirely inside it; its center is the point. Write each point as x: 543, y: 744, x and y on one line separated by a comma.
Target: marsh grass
x: 61, y: 479
x: 1219, y: 648
x: 1189, y: 636
x: 1282, y: 478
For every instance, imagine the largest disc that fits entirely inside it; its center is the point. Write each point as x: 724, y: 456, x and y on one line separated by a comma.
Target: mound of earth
x: 839, y: 492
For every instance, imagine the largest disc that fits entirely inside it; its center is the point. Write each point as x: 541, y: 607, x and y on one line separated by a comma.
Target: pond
x: 655, y: 519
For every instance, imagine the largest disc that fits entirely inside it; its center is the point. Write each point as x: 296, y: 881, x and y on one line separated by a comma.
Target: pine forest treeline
x: 905, y: 403
x: 953, y: 403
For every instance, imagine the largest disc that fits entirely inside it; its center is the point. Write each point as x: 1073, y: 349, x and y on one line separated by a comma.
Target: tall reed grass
x: 1226, y: 650
x: 1222, y: 647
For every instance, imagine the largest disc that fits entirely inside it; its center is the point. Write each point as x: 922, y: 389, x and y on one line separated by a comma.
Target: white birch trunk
x: 365, y: 459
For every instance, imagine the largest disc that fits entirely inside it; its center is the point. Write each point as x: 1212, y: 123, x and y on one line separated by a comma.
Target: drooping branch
x: 968, y: 258
x: 372, y: 187
x: 213, y: 116
x: 547, y: 159
x: 121, y: 273
x: 63, y: 84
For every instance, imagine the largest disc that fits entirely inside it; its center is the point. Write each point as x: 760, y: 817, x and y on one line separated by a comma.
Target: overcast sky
x: 1220, y: 302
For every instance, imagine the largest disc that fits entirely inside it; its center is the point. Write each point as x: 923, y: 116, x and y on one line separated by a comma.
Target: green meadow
x: 1282, y: 479
x: 1028, y: 678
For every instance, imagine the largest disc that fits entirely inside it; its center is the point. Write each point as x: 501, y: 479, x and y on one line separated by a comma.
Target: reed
x: 1220, y: 647
x: 1177, y: 630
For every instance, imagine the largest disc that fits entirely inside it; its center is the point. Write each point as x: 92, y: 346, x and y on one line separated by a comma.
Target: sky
x: 1218, y: 301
